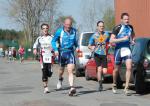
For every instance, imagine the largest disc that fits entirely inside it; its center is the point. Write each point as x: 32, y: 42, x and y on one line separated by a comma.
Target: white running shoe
x: 59, y: 84
x: 127, y: 92
x: 114, y: 88
x: 46, y: 90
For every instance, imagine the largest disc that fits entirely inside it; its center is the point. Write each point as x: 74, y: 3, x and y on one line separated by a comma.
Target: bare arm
x: 114, y: 40
x: 133, y: 39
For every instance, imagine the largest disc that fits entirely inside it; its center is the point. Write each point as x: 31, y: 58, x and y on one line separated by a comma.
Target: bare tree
x: 109, y: 18
x: 51, y: 13
x: 89, y: 14
x: 93, y: 10
x: 30, y: 13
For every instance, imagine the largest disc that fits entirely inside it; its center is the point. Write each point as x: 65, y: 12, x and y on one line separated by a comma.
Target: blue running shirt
x: 100, y: 41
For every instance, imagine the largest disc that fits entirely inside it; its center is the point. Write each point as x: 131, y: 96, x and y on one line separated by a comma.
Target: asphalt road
x: 20, y: 85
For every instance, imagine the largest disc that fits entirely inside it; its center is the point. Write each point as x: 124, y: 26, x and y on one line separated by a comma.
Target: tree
x: 29, y: 13
x: 50, y: 14
x: 89, y: 14
x: 109, y: 19
x: 10, y: 35
x: 93, y: 11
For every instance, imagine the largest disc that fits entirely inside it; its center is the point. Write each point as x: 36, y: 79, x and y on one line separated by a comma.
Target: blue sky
x: 5, y: 21
x: 72, y: 7
x: 67, y: 7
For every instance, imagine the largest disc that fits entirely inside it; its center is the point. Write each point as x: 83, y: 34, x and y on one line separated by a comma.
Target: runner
x: 66, y: 36
x: 9, y: 55
x: 123, y: 35
x: 98, y: 45
x: 44, y: 43
x: 21, y: 52
x: 6, y: 54
x: 14, y: 54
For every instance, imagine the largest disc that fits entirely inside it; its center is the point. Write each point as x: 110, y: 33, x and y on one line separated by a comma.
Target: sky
x: 5, y: 21
x: 73, y: 8
x: 67, y: 7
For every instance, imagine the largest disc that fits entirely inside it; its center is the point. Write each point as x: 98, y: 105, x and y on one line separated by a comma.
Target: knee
x: 116, y: 70
x: 44, y: 79
x: 61, y: 68
x: 70, y: 69
x: 99, y: 69
x: 129, y: 69
x: 43, y: 69
x: 44, y: 76
x: 105, y: 70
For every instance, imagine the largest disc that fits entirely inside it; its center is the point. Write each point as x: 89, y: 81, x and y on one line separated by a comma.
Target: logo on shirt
x: 101, y: 39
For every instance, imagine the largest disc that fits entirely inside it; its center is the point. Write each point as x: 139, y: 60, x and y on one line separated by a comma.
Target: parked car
x: 141, y: 64
x: 82, y: 55
x: 1, y: 52
x: 91, y: 69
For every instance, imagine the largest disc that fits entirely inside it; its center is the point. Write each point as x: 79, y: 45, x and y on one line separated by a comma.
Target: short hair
x: 44, y: 24
x: 124, y: 14
x: 100, y: 22
x: 69, y: 17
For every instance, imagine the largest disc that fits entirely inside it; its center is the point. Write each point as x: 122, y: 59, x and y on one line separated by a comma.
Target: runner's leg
x: 70, y: 68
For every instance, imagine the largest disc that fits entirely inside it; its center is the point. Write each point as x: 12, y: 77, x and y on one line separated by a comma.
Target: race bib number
x: 125, y: 52
x: 46, y: 52
x: 47, y: 58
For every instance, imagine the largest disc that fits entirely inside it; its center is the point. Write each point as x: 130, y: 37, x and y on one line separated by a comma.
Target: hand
x: 132, y: 42
x: 92, y: 48
x: 113, y: 44
x: 77, y: 50
x: 126, y: 38
x: 109, y: 45
x: 56, y: 53
x: 34, y: 51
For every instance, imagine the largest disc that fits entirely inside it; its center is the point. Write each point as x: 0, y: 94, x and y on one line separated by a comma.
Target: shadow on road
x: 67, y: 88
x: 86, y: 92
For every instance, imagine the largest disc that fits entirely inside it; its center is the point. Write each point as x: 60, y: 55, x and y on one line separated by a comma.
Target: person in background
x: 9, y: 55
x: 21, y: 52
x: 14, y: 54
x: 6, y: 54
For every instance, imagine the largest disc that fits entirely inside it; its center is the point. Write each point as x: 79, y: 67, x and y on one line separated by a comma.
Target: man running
x: 98, y: 44
x: 123, y: 35
x: 21, y: 52
x: 66, y: 36
x: 43, y: 42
